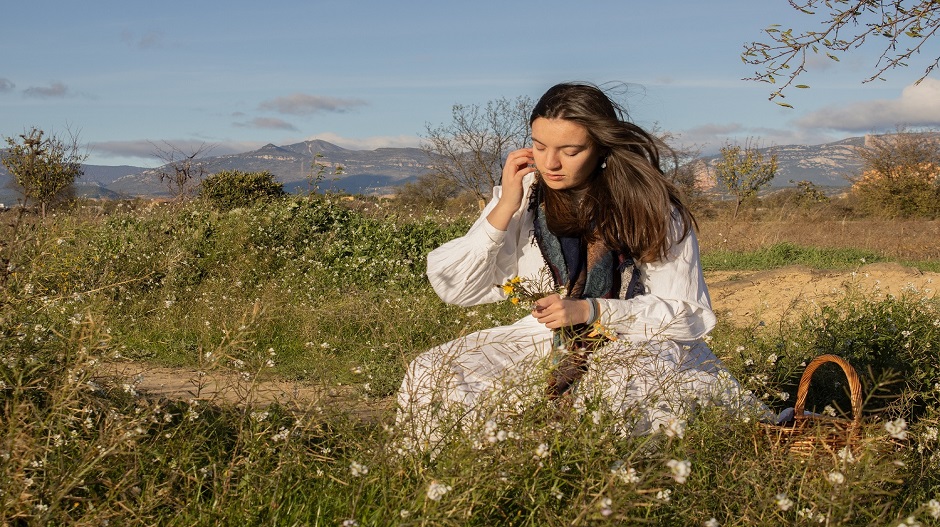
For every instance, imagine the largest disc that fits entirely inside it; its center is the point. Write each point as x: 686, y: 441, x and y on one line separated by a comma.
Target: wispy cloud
x: 917, y: 106
x: 303, y: 104
x: 6, y: 85
x: 267, y: 123
x: 55, y: 89
x: 149, y: 40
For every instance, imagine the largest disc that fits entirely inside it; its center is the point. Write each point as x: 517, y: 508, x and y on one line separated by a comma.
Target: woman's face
x: 564, y: 152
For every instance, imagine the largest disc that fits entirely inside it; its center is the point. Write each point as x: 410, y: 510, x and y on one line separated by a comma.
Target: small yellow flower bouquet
x: 526, y: 291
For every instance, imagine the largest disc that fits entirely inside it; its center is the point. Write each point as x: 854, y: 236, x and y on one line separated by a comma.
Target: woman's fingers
x: 556, y: 312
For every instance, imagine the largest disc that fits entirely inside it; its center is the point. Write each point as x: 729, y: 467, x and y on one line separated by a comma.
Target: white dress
x: 654, y: 374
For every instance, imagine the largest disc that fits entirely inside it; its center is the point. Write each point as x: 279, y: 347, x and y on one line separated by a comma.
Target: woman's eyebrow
x: 534, y: 140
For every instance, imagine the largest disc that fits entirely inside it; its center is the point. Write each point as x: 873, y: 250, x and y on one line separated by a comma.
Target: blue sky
x: 366, y: 74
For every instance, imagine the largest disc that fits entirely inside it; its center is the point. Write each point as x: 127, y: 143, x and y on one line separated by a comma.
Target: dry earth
x: 741, y: 297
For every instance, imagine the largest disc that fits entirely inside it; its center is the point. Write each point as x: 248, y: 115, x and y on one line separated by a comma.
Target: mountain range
x: 380, y: 171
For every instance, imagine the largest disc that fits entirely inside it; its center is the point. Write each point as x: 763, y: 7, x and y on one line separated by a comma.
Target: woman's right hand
x: 519, y: 163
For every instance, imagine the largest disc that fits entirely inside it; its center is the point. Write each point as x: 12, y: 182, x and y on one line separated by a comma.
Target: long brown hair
x: 629, y: 203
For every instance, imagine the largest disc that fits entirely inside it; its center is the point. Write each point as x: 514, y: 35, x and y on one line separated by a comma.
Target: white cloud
x: 918, y: 105
x: 267, y: 123
x: 303, y: 104
x: 55, y: 89
x: 149, y: 40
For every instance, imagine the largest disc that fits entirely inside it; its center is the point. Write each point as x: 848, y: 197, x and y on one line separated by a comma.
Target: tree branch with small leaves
x: 902, y: 26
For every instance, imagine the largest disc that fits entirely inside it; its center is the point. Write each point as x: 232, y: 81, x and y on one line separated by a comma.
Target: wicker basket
x: 812, y: 434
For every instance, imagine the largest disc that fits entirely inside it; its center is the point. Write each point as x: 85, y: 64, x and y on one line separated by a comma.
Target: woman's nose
x: 552, y: 162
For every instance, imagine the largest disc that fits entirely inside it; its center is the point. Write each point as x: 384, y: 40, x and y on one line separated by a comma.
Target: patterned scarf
x: 586, y: 269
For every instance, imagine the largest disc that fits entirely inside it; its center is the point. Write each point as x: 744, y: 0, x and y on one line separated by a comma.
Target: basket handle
x: 855, y: 387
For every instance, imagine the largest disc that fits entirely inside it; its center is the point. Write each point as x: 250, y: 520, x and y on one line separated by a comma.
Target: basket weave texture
x: 810, y: 434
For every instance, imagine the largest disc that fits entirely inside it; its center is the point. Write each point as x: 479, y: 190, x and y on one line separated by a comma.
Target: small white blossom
x: 897, y: 428
x: 711, y: 523
x: 910, y: 521
x: 675, y: 427
x: 835, y: 477
x: 933, y: 508
x: 829, y: 410
x: 404, y: 513
x: 436, y: 490
x: 772, y: 358
x: 783, y: 502
x: 624, y: 473
x: 357, y: 469
x: 350, y: 523
x: 846, y: 456
x: 664, y: 495
x: 542, y: 451
x: 930, y: 434
x: 605, y: 505
x: 680, y: 469
x: 283, y: 433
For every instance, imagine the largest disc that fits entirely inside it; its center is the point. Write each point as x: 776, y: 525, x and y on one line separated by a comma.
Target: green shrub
x: 230, y: 189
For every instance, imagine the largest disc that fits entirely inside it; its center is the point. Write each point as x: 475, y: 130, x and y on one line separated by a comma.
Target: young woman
x: 589, y: 206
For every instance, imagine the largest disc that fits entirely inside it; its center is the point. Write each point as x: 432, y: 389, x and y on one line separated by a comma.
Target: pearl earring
x: 604, y: 164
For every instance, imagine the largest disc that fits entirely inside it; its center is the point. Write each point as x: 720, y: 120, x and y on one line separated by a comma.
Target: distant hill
x: 380, y: 171
x: 825, y: 165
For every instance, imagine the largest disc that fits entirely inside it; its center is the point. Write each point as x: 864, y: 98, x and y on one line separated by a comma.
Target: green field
x: 319, y: 291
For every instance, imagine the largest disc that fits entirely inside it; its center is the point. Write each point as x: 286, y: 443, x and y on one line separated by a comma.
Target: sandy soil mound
x: 750, y: 296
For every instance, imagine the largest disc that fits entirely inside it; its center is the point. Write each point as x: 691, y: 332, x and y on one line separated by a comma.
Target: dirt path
x: 741, y: 297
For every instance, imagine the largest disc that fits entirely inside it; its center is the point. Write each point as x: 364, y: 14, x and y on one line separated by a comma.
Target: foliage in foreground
x: 78, y: 447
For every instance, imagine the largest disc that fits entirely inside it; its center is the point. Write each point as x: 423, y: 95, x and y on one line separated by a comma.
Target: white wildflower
x: 783, y: 502
x: 605, y: 505
x: 897, y: 428
x: 283, y: 434
x: 350, y: 523
x: 829, y: 410
x: 404, y: 513
x: 910, y: 521
x: 930, y: 434
x: 357, y: 469
x: 933, y: 508
x: 846, y: 456
x: 664, y: 495
x: 680, y: 469
x: 675, y: 427
x: 436, y: 490
x: 712, y: 522
x: 783, y: 396
x: 835, y: 477
x: 772, y: 358
x: 259, y: 416
x: 624, y: 473
x: 542, y: 451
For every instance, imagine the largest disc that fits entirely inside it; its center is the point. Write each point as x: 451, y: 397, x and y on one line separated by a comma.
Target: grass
x: 308, y: 289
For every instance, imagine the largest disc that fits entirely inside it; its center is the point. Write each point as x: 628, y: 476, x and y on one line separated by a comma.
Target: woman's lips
x: 553, y: 177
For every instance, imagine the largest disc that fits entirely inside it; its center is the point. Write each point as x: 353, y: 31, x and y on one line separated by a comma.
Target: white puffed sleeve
x: 676, y: 306
x: 466, y: 271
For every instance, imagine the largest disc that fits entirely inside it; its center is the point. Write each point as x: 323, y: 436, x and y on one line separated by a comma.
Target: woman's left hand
x: 557, y: 312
